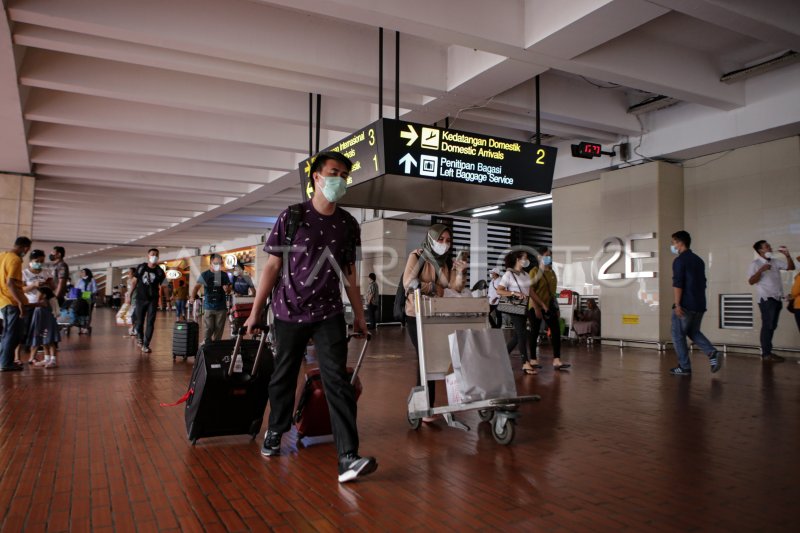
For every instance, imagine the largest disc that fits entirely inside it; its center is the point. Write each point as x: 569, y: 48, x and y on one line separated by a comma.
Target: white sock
x: 47, y: 358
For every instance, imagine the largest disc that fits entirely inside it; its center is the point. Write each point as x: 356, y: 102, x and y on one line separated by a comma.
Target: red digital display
x: 591, y: 149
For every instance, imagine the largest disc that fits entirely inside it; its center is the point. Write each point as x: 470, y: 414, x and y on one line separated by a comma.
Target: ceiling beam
x: 151, y: 180
x: 165, y: 165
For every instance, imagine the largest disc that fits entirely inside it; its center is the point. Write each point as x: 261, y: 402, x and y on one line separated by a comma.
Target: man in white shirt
x: 765, y: 274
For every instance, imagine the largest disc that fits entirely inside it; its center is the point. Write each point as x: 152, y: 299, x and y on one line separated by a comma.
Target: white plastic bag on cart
x: 481, y: 364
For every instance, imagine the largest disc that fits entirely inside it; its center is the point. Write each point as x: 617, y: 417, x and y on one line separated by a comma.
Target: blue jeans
x: 770, y: 311
x: 689, y: 326
x: 12, y: 335
x: 180, y: 308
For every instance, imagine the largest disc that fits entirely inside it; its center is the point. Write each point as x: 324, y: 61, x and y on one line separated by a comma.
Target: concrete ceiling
x: 181, y: 123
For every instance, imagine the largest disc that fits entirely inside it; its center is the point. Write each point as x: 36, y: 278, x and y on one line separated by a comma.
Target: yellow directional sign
x: 308, y: 167
x: 411, y: 135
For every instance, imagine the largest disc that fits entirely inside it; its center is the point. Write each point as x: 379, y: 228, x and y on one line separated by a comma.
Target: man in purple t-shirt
x: 304, y: 279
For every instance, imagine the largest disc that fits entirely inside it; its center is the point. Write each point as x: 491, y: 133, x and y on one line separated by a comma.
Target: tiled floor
x: 617, y: 443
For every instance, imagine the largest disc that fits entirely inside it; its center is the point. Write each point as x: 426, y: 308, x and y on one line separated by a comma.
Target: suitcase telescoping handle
x: 361, y: 355
x: 257, y: 360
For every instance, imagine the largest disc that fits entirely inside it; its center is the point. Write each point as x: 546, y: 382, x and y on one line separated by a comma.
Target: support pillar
x: 16, y: 208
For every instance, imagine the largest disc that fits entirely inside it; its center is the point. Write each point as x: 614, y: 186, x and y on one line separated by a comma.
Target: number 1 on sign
x: 541, y: 153
x: 375, y: 159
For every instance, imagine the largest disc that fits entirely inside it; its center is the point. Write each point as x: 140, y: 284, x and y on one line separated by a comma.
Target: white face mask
x: 525, y: 263
x: 216, y: 268
x: 237, y: 272
x: 439, y: 248
x: 333, y: 188
x: 36, y: 266
x: 153, y: 259
x: 768, y: 255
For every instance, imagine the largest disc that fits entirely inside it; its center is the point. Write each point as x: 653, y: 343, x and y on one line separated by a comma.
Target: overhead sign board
x: 364, y: 148
x: 394, y: 147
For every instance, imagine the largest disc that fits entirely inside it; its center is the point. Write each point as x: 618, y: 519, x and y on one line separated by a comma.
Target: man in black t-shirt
x: 147, y: 284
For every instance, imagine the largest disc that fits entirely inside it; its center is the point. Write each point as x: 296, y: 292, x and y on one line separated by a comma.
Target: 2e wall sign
x: 625, y: 246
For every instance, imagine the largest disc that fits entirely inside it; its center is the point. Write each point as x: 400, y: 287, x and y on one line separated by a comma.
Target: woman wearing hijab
x: 84, y: 285
x: 432, y: 270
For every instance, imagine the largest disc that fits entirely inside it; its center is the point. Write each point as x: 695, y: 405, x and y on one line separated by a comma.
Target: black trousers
x: 551, y: 318
x: 145, y: 310
x: 495, y: 317
x: 372, y: 315
x: 411, y: 326
x: 330, y: 341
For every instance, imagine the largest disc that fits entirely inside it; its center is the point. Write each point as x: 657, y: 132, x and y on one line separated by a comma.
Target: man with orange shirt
x: 12, y: 302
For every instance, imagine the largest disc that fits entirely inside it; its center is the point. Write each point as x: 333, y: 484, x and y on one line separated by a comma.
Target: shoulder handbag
x: 399, y: 309
x: 513, y: 305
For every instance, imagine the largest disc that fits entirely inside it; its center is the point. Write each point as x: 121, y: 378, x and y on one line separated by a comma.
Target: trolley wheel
x: 485, y: 414
x: 414, y: 422
x: 505, y: 434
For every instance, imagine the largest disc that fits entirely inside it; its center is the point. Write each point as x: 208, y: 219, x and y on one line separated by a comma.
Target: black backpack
x: 399, y: 310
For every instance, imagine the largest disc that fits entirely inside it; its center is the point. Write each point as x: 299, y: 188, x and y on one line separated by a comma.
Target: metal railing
x: 662, y: 345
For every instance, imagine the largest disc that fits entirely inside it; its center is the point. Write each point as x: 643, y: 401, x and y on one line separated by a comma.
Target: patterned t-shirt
x: 309, y: 287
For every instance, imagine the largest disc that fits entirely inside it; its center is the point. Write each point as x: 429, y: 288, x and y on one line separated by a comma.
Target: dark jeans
x: 519, y: 336
x: 145, y: 310
x: 551, y: 318
x: 689, y: 326
x: 330, y: 341
x: 797, y: 318
x: 411, y: 326
x: 372, y: 315
x: 770, y: 311
x: 12, y: 335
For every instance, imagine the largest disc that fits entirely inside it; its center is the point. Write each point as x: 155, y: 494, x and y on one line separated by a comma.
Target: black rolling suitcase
x: 228, y: 394
x: 185, y: 339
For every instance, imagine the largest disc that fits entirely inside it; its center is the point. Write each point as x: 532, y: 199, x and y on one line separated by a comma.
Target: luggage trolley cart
x: 436, y: 319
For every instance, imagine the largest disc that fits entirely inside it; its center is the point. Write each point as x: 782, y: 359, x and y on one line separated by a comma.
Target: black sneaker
x: 715, y: 361
x: 352, y: 466
x: 678, y: 371
x: 272, y: 444
x: 772, y: 358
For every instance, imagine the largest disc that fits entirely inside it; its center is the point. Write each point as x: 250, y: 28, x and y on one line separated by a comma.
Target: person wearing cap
x: 495, y: 316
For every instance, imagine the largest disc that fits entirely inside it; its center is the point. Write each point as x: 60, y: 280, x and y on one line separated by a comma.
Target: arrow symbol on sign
x: 308, y: 168
x: 408, y: 161
x: 411, y: 135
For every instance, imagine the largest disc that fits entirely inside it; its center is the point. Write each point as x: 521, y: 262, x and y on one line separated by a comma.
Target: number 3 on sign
x: 541, y: 153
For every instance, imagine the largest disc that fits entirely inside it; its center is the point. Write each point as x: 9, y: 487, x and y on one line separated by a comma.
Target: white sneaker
x: 51, y: 364
x: 40, y: 364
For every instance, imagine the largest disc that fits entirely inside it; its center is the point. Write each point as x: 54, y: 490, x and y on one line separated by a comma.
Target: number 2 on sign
x: 540, y: 159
